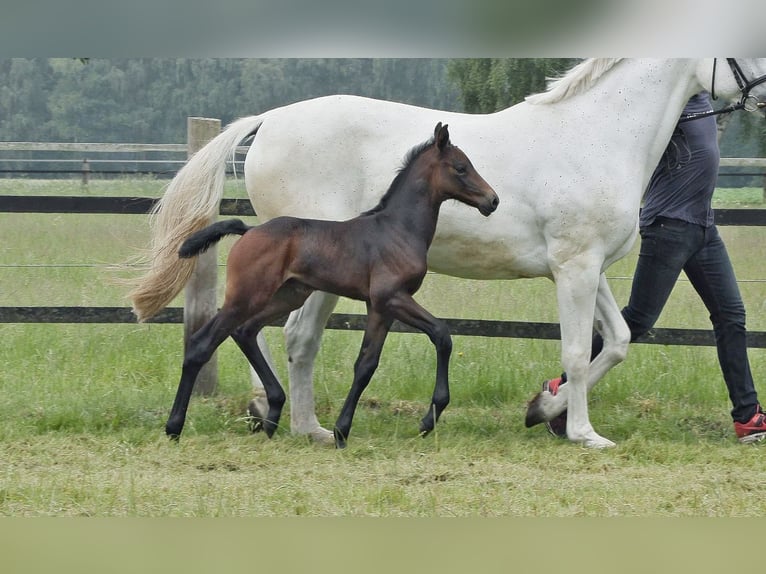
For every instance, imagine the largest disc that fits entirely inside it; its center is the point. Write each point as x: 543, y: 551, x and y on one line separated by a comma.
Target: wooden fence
x: 242, y: 207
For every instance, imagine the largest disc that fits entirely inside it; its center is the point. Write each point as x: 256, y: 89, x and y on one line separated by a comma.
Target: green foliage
x: 488, y: 85
x: 745, y: 136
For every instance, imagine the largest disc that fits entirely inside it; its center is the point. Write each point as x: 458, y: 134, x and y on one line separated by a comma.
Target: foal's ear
x: 441, y: 136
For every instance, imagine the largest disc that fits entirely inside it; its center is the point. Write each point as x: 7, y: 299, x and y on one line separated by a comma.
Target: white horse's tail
x: 190, y: 203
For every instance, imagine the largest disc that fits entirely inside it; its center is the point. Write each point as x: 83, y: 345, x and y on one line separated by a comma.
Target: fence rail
x: 73, y: 158
x: 236, y: 207
x: 242, y: 207
x: 102, y: 205
x: 354, y: 322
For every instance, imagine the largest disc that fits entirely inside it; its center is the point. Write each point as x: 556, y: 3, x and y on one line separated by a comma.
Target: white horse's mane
x: 577, y: 80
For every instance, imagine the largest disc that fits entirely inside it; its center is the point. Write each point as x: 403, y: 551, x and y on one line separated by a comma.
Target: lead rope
x: 741, y: 105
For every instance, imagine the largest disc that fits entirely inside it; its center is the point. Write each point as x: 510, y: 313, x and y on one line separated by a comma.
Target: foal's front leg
x: 407, y: 310
x: 375, y: 334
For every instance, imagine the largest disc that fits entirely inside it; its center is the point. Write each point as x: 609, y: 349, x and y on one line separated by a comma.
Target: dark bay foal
x: 378, y: 257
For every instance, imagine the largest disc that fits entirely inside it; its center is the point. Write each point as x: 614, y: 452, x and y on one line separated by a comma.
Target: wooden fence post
x: 85, y: 172
x: 200, y: 295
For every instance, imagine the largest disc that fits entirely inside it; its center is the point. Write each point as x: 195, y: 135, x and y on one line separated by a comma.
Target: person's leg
x: 666, y: 246
x: 712, y: 276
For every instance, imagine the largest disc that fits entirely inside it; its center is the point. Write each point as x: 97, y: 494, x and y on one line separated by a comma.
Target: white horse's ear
x: 441, y: 136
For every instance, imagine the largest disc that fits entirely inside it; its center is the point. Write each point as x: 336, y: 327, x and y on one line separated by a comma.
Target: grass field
x: 82, y: 407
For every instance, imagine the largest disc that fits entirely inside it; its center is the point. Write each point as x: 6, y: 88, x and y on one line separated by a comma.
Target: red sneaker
x: 753, y: 430
x: 557, y: 426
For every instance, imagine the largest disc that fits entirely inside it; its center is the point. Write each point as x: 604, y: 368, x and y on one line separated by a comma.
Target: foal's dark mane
x: 401, y: 174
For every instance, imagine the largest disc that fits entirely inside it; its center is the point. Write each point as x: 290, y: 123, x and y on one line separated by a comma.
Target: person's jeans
x: 669, y: 246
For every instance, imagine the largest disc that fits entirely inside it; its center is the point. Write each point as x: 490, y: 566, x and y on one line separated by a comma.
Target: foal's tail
x: 190, y: 202
x: 202, y: 240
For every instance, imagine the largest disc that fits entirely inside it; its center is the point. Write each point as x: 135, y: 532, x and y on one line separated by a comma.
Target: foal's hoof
x: 340, y: 441
x: 427, y: 424
x: 269, y: 428
x: 321, y: 436
x: 173, y: 432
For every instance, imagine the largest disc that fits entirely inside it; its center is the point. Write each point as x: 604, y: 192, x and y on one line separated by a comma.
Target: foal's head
x: 454, y: 176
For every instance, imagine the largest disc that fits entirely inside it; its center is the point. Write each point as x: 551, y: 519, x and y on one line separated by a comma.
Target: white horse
x: 570, y: 166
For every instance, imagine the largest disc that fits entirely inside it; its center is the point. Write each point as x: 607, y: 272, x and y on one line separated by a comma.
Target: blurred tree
x: 148, y: 100
x: 25, y: 86
x: 490, y: 84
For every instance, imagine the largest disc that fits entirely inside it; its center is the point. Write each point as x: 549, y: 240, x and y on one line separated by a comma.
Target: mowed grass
x: 83, y: 407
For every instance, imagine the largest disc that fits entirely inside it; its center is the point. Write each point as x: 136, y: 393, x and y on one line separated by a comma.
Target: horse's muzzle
x: 488, y: 208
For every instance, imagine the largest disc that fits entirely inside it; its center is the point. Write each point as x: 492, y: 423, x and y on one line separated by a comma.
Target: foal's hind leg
x: 247, y: 341
x: 201, y: 347
x: 289, y: 297
x: 258, y: 407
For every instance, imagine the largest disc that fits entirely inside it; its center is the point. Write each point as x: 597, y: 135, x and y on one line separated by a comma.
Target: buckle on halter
x: 752, y: 104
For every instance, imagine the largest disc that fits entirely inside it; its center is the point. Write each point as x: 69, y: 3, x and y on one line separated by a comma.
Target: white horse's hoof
x: 597, y: 442
x: 322, y: 436
x: 258, y: 408
x: 543, y: 407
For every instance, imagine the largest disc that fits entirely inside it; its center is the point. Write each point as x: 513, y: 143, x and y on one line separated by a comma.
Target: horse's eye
x: 461, y: 169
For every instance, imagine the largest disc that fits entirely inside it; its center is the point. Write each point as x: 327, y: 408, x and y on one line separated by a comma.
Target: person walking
x: 678, y: 233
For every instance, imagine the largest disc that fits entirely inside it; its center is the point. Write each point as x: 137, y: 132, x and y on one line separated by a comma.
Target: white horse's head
x: 742, y: 80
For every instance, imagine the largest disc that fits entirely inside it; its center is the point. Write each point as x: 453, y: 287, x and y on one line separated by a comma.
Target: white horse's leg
x: 303, y: 335
x: 613, y: 329
x: 616, y: 335
x: 576, y: 289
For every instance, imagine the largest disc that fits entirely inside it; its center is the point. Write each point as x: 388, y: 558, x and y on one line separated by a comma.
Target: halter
x: 747, y: 102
